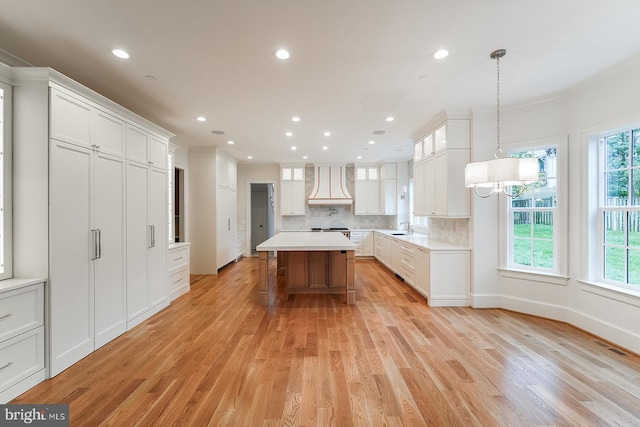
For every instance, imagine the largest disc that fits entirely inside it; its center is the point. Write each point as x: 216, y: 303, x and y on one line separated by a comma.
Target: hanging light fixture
x: 500, y: 173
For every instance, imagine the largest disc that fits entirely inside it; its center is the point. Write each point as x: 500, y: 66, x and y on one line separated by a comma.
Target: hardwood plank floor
x: 215, y: 357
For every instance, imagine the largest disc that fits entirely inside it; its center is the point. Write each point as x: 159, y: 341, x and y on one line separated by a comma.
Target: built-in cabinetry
x: 178, y: 264
x: 375, y: 189
x: 90, y: 211
x: 226, y: 197
x: 441, y: 275
x: 365, y: 242
x: 292, y: 190
x: 440, y: 155
x: 21, y: 337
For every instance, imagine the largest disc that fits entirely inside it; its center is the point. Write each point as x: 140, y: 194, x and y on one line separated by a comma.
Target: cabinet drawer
x: 178, y: 257
x: 21, y: 357
x: 178, y: 279
x: 21, y: 310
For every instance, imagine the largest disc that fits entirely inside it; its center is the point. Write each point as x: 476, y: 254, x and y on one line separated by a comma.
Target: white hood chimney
x: 330, y: 186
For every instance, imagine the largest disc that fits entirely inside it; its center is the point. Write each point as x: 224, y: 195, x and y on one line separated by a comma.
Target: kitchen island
x: 311, y: 263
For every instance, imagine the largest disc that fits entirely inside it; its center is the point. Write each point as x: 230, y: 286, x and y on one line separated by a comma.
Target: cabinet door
x: 292, y: 198
x: 222, y: 172
x: 389, y: 194
x: 422, y: 270
x: 137, y: 239
x: 223, y: 227
x: 367, y: 243
x: 367, y: 197
x: 419, y: 190
x: 109, y: 219
x: 109, y: 134
x: 71, y: 326
x: 137, y: 142
x: 157, y: 254
x: 429, y: 187
x: 70, y: 119
x: 441, y: 184
x: 158, y: 155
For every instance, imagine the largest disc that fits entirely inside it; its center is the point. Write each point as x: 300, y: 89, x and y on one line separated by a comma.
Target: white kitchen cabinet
x: 144, y: 147
x: 388, y: 189
x: 383, y: 249
x: 364, y: 241
x: 226, y: 211
x: 226, y: 173
x: 292, y: 190
x: 87, y: 252
x: 179, y: 271
x: 147, y: 224
x: 367, y: 189
x: 71, y: 177
x: 422, y: 270
x: 439, y: 173
x: 21, y: 339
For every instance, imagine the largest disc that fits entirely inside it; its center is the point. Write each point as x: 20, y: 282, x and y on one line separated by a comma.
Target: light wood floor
x: 216, y: 357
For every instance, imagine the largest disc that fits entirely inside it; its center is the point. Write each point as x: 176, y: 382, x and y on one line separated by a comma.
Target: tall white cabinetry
x: 292, y: 190
x: 367, y: 187
x: 147, y: 227
x: 72, y: 210
x: 226, y: 211
x: 441, y: 151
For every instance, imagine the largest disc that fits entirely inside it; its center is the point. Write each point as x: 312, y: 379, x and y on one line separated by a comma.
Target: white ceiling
x: 353, y: 63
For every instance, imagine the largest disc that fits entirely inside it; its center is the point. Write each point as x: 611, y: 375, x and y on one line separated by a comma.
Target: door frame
x: 246, y: 245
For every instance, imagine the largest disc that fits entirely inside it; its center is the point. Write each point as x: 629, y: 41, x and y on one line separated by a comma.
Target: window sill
x: 612, y: 292
x: 534, y: 276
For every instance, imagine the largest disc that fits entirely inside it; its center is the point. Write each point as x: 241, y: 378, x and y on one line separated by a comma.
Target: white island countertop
x: 307, y: 241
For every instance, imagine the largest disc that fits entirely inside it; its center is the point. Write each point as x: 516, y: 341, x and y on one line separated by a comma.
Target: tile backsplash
x: 449, y: 230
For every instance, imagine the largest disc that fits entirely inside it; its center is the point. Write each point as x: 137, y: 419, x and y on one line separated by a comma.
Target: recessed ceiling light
x: 230, y: 142
x: 289, y: 133
x: 327, y: 133
x: 120, y: 53
x: 372, y: 142
x: 389, y: 119
x: 249, y: 157
x: 439, y: 54
x: 295, y: 119
x: 217, y: 132
x: 325, y: 148
x: 359, y: 157
x: 201, y: 118
x: 282, y: 54
x: 294, y: 148
x: 305, y: 157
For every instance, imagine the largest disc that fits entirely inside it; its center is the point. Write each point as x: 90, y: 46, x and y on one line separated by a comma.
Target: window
x: 619, y: 208
x: 536, y: 220
x: 5, y: 182
x: 532, y: 225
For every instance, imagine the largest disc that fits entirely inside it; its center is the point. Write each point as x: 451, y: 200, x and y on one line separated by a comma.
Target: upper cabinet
x: 226, y: 173
x: 292, y: 190
x: 388, y: 185
x: 367, y: 187
x: 441, y: 151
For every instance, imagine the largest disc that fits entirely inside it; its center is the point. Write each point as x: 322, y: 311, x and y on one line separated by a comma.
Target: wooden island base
x: 311, y: 272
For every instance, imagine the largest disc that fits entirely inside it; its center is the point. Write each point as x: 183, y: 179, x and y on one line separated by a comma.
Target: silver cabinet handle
x: 228, y: 224
x: 153, y: 236
x: 6, y: 366
x: 6, y: 316
x: 178, y: 259
x: 94, y: 239
x: 99, y: 243
x: 150, y: 242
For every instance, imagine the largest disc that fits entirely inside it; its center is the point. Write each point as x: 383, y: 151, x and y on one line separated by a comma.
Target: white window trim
x: 561, y: 218
x: 7, y: 241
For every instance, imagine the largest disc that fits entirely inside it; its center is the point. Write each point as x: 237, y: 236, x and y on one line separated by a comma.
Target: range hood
x: 330, y: 186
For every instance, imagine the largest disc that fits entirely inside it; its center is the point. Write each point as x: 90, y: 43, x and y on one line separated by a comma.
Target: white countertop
x: 307, y: 241
x: 16, y: 283
x: 424, y: 241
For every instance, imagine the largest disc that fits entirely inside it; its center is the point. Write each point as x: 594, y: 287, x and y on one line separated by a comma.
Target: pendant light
x: 500, y: 173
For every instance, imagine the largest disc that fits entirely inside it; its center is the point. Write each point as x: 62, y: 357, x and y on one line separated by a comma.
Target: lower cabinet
x: 365, y: 242
x: 21, y: 339
x: 179, y: 273
x: 441, y: 276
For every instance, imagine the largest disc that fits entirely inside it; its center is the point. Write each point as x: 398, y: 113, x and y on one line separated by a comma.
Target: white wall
x: 602, y: 102
x: 202, y: 209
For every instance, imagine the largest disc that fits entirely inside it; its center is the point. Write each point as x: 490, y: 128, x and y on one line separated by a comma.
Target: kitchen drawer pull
x: 179, y: 280
x: 6, y: 316
x: 6, y: 366
x: 178, y: 259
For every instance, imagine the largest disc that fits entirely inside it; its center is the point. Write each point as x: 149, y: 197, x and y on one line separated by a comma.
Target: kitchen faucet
x: 409, y: 229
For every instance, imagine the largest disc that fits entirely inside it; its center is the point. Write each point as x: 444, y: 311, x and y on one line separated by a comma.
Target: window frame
x: 6, y: 239
x: 598, y: 265
x: 560, y: 224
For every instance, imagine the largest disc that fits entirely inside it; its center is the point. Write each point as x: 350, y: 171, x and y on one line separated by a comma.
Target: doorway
x: 262, y: 214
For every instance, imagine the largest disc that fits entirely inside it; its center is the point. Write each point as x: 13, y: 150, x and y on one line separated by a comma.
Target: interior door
x: 259, y: 214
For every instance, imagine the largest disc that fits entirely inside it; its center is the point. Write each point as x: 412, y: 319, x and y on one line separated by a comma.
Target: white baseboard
x: 485, y: 301
x: 607, y: 331
x: 535, y: 308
